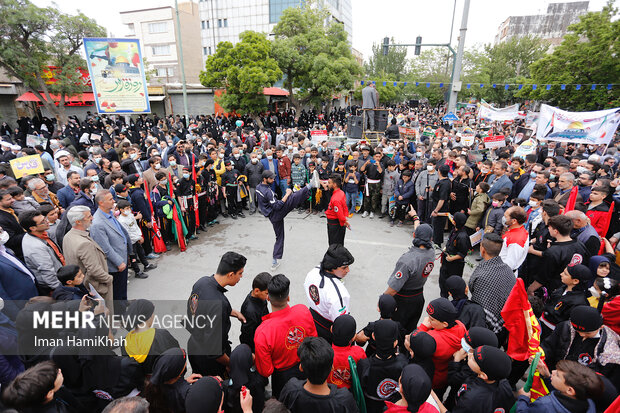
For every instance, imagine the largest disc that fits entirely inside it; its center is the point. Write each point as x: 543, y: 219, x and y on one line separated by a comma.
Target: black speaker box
x: 355, y: 127
x: 381, y: 120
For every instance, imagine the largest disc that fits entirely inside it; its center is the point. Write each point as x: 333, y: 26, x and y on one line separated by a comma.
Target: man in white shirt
x: 65, y: 166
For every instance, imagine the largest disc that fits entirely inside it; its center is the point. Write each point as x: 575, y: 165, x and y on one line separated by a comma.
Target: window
x: 219, y: 22
x: 131, y: 29
x: 161, y: 50
x: 158, y: 27
x: 204, y: 50
x: 170, y: 71
x: 276, y: 7
x: 225, y: 22
x: 164, y: 71
x: 207, y: 23
x: 209, y: 49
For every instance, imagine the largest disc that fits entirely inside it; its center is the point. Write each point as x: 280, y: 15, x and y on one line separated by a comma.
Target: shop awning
x: 156, y: 98
x: 274, y: 91
x: 84, y: 97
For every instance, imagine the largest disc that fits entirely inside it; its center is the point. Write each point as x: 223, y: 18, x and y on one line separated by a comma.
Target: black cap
x: 423, y: 235
x: 227, y: 163
x: 441, y: 309
x: 385, y: 332
x: 422, y: 344
x: 336, y: 256
x: 493, y: 362
x: 241, y: 362
x: 387, y: 305
x: 268, y: 174
x: 139, y: 311
x: 343, y: 330
x: 480, y: 336
x: 132, y: 178
x: 169, y: 365
x: 209, y: 162
x: 119, y: 188
x: 69, y: 272
x: 579, y: 272
x: 585, y: 319
x: 456, y: 286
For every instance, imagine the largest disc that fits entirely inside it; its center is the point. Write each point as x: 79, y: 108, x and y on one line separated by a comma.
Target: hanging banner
x: 486, y: 111
x: 117, y: 75
x: 531, y: 118
x: 491, y: 142
x: 408, y: 132
x: 526, y: 148
x: 592, y: 128
x: 27, y: 165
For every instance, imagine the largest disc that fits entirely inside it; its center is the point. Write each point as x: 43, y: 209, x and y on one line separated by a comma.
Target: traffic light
x: 418, y: 42
x: 386, y: 45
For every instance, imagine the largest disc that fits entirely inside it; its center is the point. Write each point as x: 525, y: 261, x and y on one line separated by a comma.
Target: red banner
x: 498, y: 141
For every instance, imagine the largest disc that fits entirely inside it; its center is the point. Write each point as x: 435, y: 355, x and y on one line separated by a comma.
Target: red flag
x: 196, y: 214
x: 523, y: 327
x: 614, y: 407
x: 177, y: 220
x: 570, y: 205
x: 159, y: 245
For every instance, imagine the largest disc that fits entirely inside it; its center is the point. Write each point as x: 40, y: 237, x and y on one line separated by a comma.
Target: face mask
x: 4, y: 237
x: 595, y: 293
x: 418, y: 154
x: 269, y: 157
x: 186, y: 176
x: 533, y: 174
x: 221, y: 155
x: 495, y: 203
x: 240, y: 152
x: 504, y: 222
x: 163, y: 182
x: 133, y: 155
x: 551, y: 176
x: 533, y: 203
x: 173, y: 163
x: 236, y: 156
x: 198, y: 143
x: 94, y: 178
x: 484, y: 171
x: 430, y: 168
x: 93, y: 190
x: 125, y: 212
x: 308, y: 155
x: 254, y: 160
x: 466, y: 347
x: 50, y: 177
x: 97, y: 160
x: 290, y: 147
x: 157, y: 166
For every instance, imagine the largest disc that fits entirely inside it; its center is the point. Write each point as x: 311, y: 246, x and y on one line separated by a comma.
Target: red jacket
x: 448, y: 342
x: 278, y: 337
x: 341, y: 373
x: 337, y: 208
x: 599, y: 218
x: 611, y: 314
x: 284, y: 167
x: 425, y: 408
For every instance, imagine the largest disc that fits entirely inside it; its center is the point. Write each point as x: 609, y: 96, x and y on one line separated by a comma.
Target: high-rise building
x: 157, y: 30
x: 224, y: 20
x: 551, y: 26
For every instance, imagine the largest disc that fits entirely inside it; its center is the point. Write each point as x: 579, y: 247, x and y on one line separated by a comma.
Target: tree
x: 391, y: 66
x: 34, y: 38
x: 243, y: 70
x: 315, y: 58
x: 588, y: 55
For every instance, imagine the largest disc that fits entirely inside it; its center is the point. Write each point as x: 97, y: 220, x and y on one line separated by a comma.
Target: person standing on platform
x: 370, y: 101
x: 337, y: 212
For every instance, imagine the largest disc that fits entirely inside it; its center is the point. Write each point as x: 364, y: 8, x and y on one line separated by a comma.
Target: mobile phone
x: 373, y: 161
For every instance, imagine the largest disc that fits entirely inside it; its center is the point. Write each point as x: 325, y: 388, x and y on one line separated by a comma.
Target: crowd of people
x: 116, y: 195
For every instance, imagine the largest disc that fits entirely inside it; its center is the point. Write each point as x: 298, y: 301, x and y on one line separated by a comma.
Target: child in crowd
x: 421, y: 347
x: 390, y: 179
x: 415, y: 388
x: 128, y: 221
x: 72, y: 279
x: 254, y: 307
x: 479, y: 204
x: 351, y: 186
x: 492, y: 221
x: 386, y: 308
x: 469, y: 313
x: 343, y: 333
x: 22, y: 203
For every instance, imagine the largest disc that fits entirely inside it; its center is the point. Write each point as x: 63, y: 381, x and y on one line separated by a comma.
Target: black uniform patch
x: 313, y: 290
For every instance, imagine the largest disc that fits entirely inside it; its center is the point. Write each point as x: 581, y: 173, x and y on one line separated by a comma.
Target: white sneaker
x: 274, y: 265
x: 365, y: 214
x: 372, y: 215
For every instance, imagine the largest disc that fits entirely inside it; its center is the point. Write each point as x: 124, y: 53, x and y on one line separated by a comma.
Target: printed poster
x: 318, y: 136
x: 117, y: 75
x: 34, y: 140
x: 27, y: 165
x: 591, y: 128
x: 526, y: 148
x: 491, y: 142
x: 522, y: 134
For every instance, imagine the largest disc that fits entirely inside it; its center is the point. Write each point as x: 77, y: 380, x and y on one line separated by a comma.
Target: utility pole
x: 456, y: 83
x: 180, y: 44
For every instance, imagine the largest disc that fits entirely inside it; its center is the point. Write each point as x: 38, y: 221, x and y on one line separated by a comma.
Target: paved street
x: 375, y: 246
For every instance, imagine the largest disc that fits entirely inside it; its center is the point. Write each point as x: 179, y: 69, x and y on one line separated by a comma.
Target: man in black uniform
x: 186, y: 188
x: 231, y: 185
x: 407, y: 281
x: 453, y: 257
x: 206, y: 300
x: 440, y: 197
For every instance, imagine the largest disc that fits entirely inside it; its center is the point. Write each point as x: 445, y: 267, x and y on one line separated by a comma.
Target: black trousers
x: 202, y: 364
x: 438, y: 224
x: 447, y: 270
x: 335, y: 232
x: 323, y: 326
x: 280, y: 377
x: 409, y: 307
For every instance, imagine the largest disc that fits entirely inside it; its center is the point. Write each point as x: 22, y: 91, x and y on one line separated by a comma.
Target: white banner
x: 592, y: 128
x: 486, y: 111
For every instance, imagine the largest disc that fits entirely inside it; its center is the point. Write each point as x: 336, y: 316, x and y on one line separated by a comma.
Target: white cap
x: 5, y: 144
x: 15, y: 147
x: 60, y: 153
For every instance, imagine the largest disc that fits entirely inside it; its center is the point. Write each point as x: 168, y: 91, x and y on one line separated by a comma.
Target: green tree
x: 387, y: 94
x: 588, y: 55
x: 315, y: 58
x: 33, y: 38
x: 243, y: 70
x: 391, y: 66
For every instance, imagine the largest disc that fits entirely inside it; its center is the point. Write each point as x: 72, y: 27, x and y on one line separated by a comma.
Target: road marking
x: 359, y: 241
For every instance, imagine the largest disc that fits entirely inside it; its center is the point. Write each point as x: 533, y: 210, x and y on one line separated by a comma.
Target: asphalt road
x: 375, y: 245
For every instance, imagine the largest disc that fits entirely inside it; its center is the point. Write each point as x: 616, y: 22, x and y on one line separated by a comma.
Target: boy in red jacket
x: 343, y: 331
x: 337, y: 212
x: 442, y: 325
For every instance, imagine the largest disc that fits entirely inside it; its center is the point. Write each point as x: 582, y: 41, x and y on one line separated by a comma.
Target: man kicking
x: 276, y: 210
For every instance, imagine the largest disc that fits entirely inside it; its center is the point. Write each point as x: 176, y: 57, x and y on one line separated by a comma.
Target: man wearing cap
x: 327, y: 296
x: 406, y: 283
x: 337, y: 212
x: 276, y: 209
x: 584, y: 338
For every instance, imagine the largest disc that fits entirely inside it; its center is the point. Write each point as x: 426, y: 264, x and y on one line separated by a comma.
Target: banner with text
x: 487, y: 111
x: 117, y: 75
x: 592, y: 128
x: 27, y: 165
x: 318, y: 136
x: 491, y: 142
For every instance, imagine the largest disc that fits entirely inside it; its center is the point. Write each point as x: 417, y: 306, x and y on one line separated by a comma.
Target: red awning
x: 274, y: 91
x: 84, y: 97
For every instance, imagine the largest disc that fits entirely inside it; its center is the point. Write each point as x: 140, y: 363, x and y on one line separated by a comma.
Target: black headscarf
x: 387, y: 305
x: 386, y: 333
x: 204, y: 396
x: 416, y: 386
x: 139, y: 311
x: 343, y: 330
x: 240, y: 364
x: 171, y: 364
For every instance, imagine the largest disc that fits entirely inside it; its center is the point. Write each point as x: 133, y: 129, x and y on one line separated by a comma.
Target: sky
x: 403, y: 20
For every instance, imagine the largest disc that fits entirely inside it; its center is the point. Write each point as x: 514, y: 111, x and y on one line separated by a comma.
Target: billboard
x: 117, y: 75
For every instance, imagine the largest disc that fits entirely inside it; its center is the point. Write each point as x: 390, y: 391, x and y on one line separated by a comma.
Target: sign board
x: 27, y: 165
x: 34, y: 140
x: 450, y: 117
x: 498, y: 141
x: 410, y: 132
x: 117, y: 75
x: 522, y: 134
x: 318, y: 136
x: 428, y: 132
x: 527, y: 147
x: 467, y: 136
x: 476, y: 237
x: 334, y: 143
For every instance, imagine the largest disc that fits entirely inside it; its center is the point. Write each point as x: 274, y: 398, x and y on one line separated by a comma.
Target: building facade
x: 157, y: 30
x: 551, y: 26
x: 224, y: 20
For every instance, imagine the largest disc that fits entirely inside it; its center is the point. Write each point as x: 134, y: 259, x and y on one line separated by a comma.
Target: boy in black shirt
x: 231, y: 185
x: 185, y: 190
x: 254, y: 307
x: 72, y: 279
x: 314, y: 394
x: 441, y: 197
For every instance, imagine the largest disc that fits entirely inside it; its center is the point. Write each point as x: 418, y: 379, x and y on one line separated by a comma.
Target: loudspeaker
x: 414, y: 103
x: 381, y: 120
x: 355, y: 127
